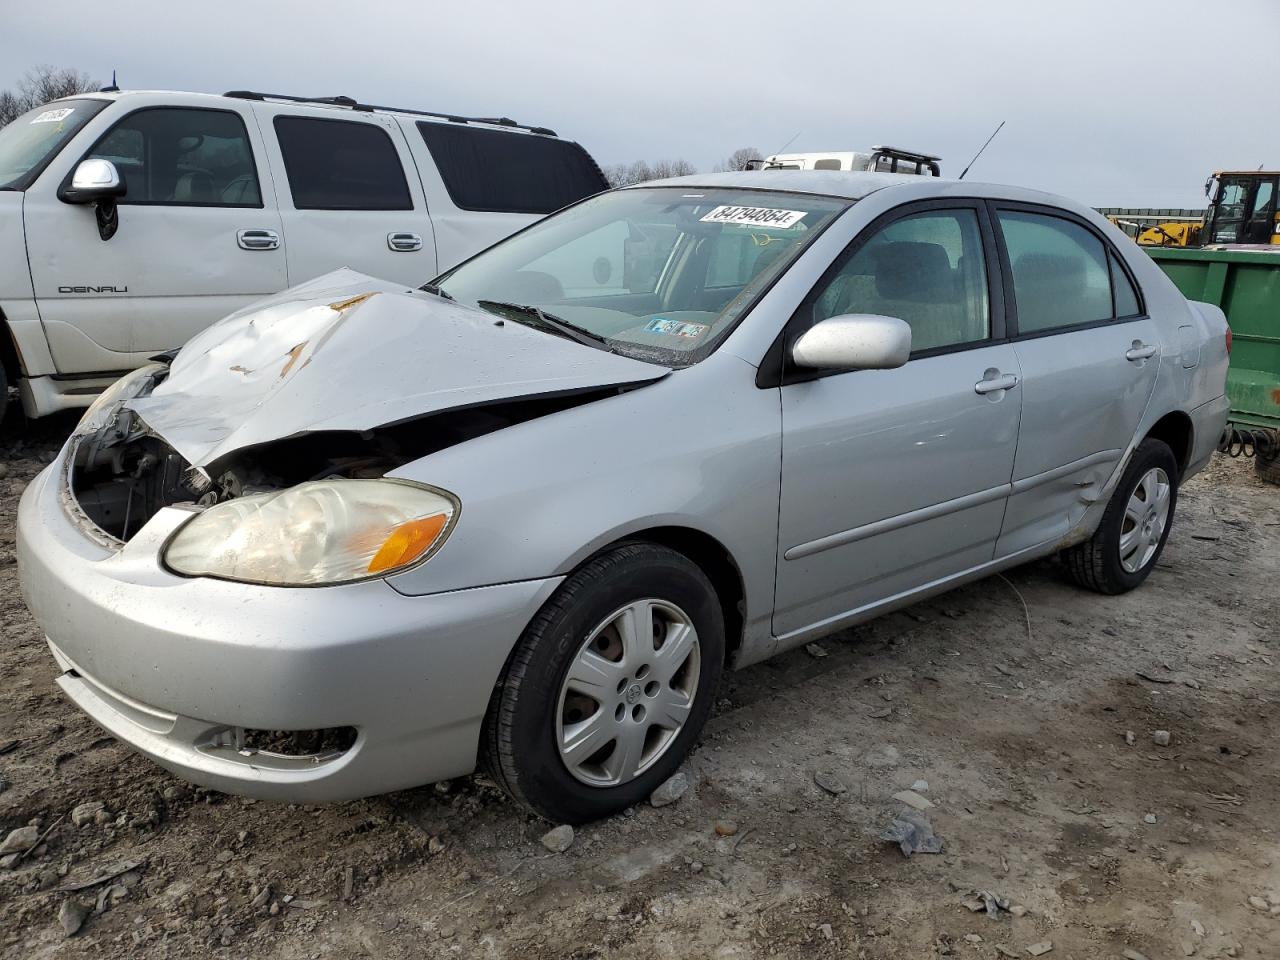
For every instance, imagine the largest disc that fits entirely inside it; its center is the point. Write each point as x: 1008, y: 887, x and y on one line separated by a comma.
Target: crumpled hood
x: 348, y: 352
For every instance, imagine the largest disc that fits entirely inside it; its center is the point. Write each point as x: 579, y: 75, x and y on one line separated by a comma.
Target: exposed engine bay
x: 123, y: 473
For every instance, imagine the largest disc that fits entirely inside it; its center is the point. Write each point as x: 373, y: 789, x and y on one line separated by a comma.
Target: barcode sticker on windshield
x: 53, y: 116
x: 755, y: 216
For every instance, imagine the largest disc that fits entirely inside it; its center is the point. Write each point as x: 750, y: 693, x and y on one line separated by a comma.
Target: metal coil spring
x: 1238, y: 441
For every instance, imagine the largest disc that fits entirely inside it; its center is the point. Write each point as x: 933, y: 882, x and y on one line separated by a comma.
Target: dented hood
x: 348, y: 352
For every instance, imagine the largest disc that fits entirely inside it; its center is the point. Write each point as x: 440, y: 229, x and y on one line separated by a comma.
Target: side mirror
x: 97, y: 182
x: 854, y: 341
x: 93, y: 180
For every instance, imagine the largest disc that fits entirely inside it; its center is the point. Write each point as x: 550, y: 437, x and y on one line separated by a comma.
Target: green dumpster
x: 1246, y: 285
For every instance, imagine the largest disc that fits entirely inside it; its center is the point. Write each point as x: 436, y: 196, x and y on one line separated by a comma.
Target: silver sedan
x: 358, y: 538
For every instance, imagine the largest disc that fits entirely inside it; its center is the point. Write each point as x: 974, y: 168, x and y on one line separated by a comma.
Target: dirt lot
x: 1017, y: 721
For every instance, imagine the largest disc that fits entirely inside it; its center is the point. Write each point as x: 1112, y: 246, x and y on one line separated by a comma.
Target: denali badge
x: 93, y: 289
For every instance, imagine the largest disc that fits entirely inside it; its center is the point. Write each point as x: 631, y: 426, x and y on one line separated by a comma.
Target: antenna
x: 114, y: 88
x: 787, y: 144
x: 979, y: 153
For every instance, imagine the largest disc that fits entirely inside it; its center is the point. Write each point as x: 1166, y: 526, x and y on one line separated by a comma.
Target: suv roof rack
x: 352, y: 104
x: 906, y: 154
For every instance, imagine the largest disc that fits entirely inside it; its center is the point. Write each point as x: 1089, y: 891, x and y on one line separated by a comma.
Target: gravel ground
x: 1034, y: 728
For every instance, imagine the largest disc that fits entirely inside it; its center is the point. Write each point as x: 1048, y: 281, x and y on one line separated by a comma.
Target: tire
x: 4, y: 394
x: 536, y: 705
x: 1100, y: 563
x: 1268, y: 465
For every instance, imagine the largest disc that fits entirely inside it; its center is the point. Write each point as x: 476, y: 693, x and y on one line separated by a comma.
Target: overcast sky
x: 1113, y: 102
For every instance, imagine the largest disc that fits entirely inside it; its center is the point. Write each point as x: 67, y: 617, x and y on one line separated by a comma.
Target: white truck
x: 129, y: 221
x: 879, y: 159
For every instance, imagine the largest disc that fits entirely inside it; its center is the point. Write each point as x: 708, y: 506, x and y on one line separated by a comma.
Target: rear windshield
x: 497, y: 171
x: 33, y: 139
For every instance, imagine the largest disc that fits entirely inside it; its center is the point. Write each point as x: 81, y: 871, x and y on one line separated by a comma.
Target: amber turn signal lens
x: 407, y: 542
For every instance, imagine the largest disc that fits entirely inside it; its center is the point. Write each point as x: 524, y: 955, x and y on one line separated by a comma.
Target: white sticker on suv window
x: 53, y: 116
x: 755, y: 216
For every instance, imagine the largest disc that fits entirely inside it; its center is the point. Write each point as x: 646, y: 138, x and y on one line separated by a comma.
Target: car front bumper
x: 180, y: 667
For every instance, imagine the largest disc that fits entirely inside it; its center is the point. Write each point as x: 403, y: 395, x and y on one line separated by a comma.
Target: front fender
x: 699, y: 449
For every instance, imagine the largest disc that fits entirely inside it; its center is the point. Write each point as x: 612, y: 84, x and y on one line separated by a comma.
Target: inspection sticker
x: 53, y: 116
x: 755, y: 216
x: 675, y: 328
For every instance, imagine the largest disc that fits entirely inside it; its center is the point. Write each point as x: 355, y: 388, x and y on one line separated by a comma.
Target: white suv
x: 131, y: 221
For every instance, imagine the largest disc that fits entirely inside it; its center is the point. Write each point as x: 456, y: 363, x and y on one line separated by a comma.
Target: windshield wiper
x: 548, y: 320
x: 435, y: 289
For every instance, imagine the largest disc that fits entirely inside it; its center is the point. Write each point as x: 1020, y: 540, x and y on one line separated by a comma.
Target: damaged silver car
x: 360, y: 537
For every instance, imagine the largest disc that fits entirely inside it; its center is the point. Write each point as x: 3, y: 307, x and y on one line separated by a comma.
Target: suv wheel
x: 1129, y: 540
x: 609, y: 686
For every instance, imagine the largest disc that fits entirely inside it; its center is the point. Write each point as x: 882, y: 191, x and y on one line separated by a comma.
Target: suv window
x: 182, y: 156
x: 1060, y: 274
x: 493, y: 170
x: 341, y: 165
x: 927, y: 269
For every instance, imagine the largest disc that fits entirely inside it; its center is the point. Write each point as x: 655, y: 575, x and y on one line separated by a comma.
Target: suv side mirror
x: 97, y: 182
x: 854, y: 341
x: 93, y: 180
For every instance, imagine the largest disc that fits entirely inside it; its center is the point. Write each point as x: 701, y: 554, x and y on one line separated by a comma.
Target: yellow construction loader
x: 1241, y: 213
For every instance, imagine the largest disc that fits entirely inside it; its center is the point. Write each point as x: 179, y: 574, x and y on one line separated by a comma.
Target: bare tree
x: 640, y: 171
x: 41, y: 84
x: 739, y: 158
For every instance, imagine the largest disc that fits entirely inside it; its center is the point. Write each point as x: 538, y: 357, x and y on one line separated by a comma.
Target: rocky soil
x: 1104, y: 775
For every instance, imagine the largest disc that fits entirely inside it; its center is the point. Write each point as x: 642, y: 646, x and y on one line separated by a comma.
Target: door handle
x: 993, y: 380
x: 258, y: 239
x: 1140, y: 351
x: 404, y: 242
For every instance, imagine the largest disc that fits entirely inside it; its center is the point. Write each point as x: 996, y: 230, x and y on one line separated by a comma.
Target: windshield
x: 28, y: 143
x: 660, y: 274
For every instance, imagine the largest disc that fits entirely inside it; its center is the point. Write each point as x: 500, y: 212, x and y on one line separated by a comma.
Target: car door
x: 196, y: 187
x: 1089, y: 356
x: 894, y: 479
x: 346, y: 200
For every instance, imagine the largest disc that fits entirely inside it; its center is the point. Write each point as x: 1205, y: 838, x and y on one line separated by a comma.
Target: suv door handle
x: 404, y: 242
x: 1140, y: 351
x: 993, y: 380
x: 258, y: 239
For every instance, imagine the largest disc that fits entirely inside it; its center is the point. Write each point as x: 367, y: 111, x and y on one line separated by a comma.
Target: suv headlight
x: 317, y: 533
x: 126, y: 388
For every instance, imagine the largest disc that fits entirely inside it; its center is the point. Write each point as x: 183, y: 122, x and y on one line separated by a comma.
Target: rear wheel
x: 609, y: 686
x: 1129, y: 540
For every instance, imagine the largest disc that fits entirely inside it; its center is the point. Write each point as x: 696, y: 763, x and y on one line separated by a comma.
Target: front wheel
x: 1129, y: 540
x: 609, y: 686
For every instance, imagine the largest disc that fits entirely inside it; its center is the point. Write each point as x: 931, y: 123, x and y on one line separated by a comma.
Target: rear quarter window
x: 497, y: 171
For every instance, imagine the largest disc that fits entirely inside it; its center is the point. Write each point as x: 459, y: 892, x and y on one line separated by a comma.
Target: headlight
x: 126, y: 388
x: 321, y: 532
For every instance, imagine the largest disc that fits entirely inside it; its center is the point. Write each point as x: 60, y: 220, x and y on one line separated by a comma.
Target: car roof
x: 855, y: 185
x: 847, y: 184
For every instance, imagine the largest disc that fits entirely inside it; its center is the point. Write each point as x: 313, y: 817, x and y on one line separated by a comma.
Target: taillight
x: 1228, y: 340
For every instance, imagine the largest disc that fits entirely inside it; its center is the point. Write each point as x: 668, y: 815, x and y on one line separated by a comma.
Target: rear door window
x: 500, y: 171
x: 1060, y: 273
x: 1127, y: 304
x: 182, y: 156
x: 341, y: 165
